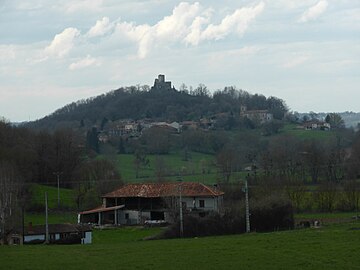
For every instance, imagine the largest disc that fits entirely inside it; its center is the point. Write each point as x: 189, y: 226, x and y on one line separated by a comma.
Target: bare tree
x: 140, y: 161
x: 95, y: 177
x: 352, y: 194
x: 160, y: 168
x: 326, y: 196
x: 314, y: 158
x: 296, y: 192
x: 227, y: 162
x: 10, y: 188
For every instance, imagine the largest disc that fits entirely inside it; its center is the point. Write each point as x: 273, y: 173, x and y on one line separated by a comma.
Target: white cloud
x: 194, y: 36
x: 101, y: 27
x: 237, y: 22
x: 186, y: 24
x: 85, y: 62
x: 314, y: 12
x: 295, y: 61
x: 62, y: 43
x: 7, y: 52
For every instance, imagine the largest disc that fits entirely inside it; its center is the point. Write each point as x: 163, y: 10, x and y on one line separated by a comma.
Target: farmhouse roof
x: 56, y: 228
x: 153, y: 190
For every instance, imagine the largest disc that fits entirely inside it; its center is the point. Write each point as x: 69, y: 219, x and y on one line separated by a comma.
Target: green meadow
x: 198, y: 168
x: 67, y: 199
x: 334, y: 246
x: 291, y: 129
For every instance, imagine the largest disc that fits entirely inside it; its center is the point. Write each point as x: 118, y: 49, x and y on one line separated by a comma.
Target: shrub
x: 271, y: 213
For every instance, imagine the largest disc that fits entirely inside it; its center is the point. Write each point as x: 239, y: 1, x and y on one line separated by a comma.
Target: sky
x: 55, y: 52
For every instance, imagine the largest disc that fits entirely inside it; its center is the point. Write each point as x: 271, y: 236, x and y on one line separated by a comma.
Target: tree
x: 160, y: 168
x: 227, y: 161
x: 156, y: 140
x: 272, y: 127
x: 277, y: 107
x: 201, y: 90
x: 352, y: 194
x: 95, y: 177
x: 314, y: 157
x: 140, y: 161
x: 353, y: 170
x: 335, y: 120
x: 67, y: 153
x: 296, y: 191
x: 92, y: 140
x: 10, y: 187
x: 335, y: 161
x: 326, y: 195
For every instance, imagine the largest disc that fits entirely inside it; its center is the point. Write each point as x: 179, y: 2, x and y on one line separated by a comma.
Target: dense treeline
x: 168, y: 105
x: 28, y: 157
x: 40, y: 157
x: 37, y: 155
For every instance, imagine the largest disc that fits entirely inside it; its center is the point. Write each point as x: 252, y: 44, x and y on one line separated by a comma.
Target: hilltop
x: 161, y: 102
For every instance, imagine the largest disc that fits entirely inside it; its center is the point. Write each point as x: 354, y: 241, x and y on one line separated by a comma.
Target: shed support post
x: 115, y: 217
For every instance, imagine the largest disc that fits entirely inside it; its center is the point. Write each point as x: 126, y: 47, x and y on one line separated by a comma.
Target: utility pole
x: 247, y: 211
x: 22, y: 222
x: 181, y: 210
x: 58, y: 186
x: 46, y: 220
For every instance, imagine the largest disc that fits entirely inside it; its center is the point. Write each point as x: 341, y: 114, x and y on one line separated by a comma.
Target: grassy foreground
x: 331, y: 247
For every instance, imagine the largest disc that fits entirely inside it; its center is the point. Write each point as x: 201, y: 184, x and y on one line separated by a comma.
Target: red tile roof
x: 153, y: 190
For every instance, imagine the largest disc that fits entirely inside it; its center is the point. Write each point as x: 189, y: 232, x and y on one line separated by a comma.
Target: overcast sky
x: 55, y: 52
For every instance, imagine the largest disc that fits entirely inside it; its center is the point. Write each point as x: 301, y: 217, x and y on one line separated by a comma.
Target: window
x: 201, y: 203
x: 126, y: 215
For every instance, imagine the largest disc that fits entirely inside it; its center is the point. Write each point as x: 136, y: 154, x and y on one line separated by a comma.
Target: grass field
x: 67, y: 202
x: 173, y: 163
x: 291, y: 129
x: 38, y: 196
x: 53, y: 218
x: 192, y: 170
x: 330, y: 247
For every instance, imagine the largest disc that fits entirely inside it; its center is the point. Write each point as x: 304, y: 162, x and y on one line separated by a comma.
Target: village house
x: 262, y: 116
x: 138, y: 203
x: 58, y: 234
x: 316, y: 125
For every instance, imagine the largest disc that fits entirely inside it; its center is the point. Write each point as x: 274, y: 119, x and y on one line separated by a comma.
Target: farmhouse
x: 139, y: 203
x: 262, y: 116
x: 316, y: 125
x: 58, y: 234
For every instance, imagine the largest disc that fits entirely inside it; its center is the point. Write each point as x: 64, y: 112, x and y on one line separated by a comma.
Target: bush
x: 271, y: 213
x: 194, y: 226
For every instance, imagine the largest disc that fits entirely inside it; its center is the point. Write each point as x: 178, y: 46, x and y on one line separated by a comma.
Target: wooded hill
x: 161, y: 105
